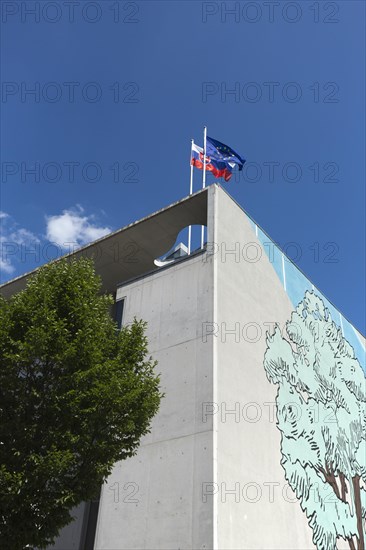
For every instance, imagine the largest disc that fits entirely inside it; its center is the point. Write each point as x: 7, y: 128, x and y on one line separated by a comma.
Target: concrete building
x: 227, y: 464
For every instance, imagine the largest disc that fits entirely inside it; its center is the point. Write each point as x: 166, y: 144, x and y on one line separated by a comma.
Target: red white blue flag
x: 220, y: 169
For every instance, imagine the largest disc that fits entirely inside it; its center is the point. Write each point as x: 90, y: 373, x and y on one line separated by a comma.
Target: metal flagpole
x: 204, y: 157
x: 190, y: 192
x: 204, y: 178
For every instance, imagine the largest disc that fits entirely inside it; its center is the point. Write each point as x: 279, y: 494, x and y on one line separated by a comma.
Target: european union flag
x: 221, y: 152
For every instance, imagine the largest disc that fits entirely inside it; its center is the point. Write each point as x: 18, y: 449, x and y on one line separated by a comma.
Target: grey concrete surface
x: 208, y: 476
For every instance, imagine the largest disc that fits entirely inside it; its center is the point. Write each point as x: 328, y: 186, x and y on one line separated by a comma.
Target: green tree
x: 76, y: 395
x: 321, y: 413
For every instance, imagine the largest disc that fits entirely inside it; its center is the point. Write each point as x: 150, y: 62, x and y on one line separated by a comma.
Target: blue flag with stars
x: 221, y: 152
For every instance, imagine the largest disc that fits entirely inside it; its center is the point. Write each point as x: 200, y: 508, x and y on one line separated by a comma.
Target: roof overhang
x: 130, y: 251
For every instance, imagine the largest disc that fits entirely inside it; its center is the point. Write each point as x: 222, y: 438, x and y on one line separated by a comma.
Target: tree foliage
x: 76, y: 395
x: 321, y: 412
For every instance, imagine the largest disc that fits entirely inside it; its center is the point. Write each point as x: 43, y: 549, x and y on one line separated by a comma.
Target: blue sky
x: 122, y: 87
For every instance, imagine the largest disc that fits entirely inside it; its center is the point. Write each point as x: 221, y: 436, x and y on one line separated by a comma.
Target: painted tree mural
x: 321, y: 413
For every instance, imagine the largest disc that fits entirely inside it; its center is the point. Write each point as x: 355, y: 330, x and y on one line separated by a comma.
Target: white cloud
x: 18, y: 245
x: 14, y: 241
x: 6, y: 266
x: 22, y: 236
x: 73, y: 226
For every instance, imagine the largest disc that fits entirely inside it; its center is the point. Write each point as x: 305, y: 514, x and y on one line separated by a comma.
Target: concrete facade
x: 176, y: 458
x: 191, y: 471
x: 209, y: 475
x: 255, y: 514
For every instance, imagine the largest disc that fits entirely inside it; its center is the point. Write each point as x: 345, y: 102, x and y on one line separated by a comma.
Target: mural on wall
x: 321, y: 413
x: 318, y: 364
x: 295, y: 284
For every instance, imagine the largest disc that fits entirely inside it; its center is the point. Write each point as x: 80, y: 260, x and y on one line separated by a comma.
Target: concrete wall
x: 257, y: 514
x: 209, y: 474
x: 153, y: 500
x: 256, y: 432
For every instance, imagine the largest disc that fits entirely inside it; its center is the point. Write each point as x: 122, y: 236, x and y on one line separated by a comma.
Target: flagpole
x: 204, y: 157
x: 190, y: 192
x: 204, y: 178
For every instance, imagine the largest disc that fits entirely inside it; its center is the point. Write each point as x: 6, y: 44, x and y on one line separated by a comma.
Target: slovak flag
x: 219, y: 169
